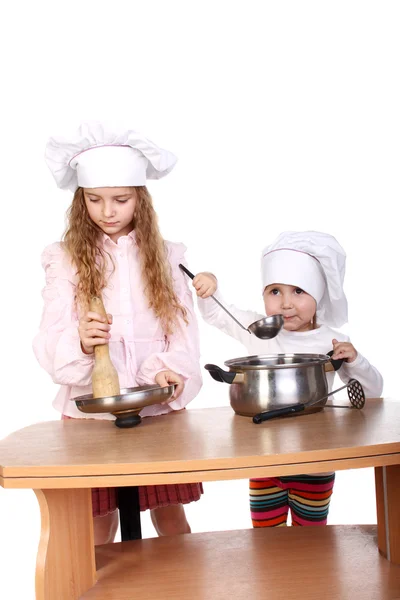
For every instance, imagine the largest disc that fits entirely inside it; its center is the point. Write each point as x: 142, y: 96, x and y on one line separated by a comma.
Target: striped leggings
x: 307, y: 496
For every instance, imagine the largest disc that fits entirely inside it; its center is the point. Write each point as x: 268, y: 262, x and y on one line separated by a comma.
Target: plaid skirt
x: 104, y: 500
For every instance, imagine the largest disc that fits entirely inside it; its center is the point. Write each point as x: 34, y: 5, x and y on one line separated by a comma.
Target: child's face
x: 297, y: 307
x: 112, y: 209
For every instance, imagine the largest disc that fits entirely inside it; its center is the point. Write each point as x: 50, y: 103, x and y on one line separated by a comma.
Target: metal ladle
x: 265, y: 329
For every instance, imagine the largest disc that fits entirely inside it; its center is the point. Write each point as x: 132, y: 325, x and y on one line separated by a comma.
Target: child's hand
x: 165, y: 378
x: 344, y: 350
x: 94, y: 330
x: 205, y: 284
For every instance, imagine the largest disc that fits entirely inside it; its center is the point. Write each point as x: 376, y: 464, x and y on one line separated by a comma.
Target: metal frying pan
x: 126, y: 405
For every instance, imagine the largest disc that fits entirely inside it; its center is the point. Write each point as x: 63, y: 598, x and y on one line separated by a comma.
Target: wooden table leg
x: 65, y: 565
x: 387, y: 484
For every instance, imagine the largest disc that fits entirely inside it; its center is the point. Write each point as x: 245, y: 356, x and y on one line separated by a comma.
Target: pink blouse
x: 138, y: 347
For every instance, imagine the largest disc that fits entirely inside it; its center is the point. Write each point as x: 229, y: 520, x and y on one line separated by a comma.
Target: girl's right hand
x: 94, y: 330
x: 205, y: 284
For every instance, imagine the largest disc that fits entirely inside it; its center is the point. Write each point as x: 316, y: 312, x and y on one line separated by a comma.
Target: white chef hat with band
x: 314, y: 262
x: 96, y: 156
x: 293, y: 267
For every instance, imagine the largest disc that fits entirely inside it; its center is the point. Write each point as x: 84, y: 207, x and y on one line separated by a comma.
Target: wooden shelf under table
x: 294, y: 563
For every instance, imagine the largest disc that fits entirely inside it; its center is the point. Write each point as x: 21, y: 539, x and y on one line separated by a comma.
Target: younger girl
x: 113, y: 247
x: 302, y: 279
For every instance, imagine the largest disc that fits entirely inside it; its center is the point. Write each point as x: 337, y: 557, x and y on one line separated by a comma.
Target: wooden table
x: 62, y: 460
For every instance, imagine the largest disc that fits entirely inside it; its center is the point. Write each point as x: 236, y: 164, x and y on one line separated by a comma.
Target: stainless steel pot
x: 266, y: 382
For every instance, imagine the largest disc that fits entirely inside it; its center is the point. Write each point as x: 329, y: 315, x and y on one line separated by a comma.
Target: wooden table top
x: 199, y: 440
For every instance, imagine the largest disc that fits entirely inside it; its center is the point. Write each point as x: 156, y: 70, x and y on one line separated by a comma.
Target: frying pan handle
x: 225, y: 376
x: 333, y: 365
x: 279, y: 412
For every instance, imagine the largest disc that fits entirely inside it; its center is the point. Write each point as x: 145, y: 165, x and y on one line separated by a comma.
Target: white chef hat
x: 96, y: 156
x: 313, y: 261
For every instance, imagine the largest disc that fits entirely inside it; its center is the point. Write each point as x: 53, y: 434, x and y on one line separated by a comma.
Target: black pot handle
x: 278, y: 412
x: 219, y: 374
x: 337, y: 363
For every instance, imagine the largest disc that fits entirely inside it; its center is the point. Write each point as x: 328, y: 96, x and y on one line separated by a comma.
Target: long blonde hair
x: 82, y: 241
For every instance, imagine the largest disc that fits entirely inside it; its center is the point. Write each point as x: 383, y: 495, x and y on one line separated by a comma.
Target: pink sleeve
x: 183, y: 353
x: 57, y: 345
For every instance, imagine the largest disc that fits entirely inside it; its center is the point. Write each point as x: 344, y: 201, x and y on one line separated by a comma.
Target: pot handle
x: 333, y: 365
x: 225, y: 376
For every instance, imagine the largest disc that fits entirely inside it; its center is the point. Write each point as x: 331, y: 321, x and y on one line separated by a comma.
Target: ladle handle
x: 185, y: 270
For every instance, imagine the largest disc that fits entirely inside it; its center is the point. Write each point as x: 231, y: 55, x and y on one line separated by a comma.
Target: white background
x: 284, y: 115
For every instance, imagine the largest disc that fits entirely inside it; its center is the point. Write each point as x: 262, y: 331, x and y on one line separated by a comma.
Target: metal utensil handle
x: 349, y: 384
x: 357, y: 399
x: 185, y: 270
x: 354, y: 391
x: 327, y: 395
x: 230, y: 314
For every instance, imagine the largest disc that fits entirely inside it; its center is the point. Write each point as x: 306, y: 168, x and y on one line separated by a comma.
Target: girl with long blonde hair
x: 113, y: 248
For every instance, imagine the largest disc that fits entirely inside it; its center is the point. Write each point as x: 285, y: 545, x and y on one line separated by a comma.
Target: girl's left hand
x: 344, y: 350
x: 165, y: 378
